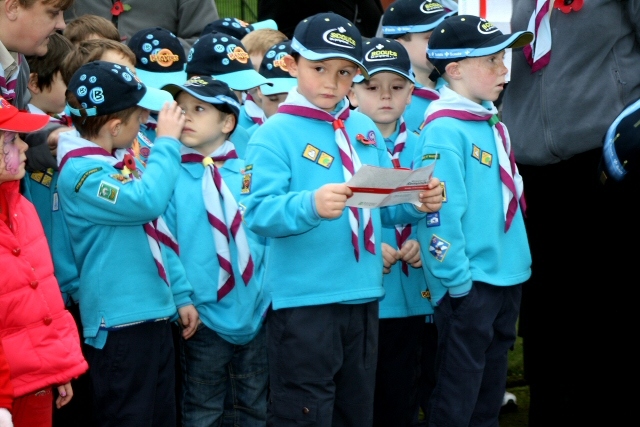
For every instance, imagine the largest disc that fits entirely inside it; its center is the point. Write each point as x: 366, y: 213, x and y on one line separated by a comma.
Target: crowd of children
x: 194, y: 209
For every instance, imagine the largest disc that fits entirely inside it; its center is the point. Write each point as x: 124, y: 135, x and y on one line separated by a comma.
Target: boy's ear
x: 453, y: 70
x: 10, y: 8
x: 410, y: 93
x: 353, y: 98
x: 229, y: 123
x: 33, y: 83
x: 291, y: 64
x: 113, y: 126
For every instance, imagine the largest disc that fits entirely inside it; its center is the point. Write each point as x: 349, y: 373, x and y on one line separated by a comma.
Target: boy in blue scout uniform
x: 160, y: 60
x: 411, y: 22
x: 223, y: 262
x: 477, y: 256
x: 324, y: 267
x: 129, y: 286
x: 224, y: 57
x: 404, y: 306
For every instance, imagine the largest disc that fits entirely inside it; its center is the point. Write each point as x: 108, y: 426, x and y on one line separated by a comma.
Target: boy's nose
x: 60, y: 24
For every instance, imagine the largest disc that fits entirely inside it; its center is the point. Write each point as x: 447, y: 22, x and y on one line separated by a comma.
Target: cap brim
x: 158, y: 80
x: 155, y: 99
x: 505, y: 41
x: 267, y: 23
x: 374, y: 71
x: 175, y: 89
x: 243, y: 80
x: 24, y: 122
x: 622, y: 143
x: 390, y: 30
x: 280, y: 85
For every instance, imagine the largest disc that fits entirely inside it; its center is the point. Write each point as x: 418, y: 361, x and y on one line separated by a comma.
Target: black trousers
x: 133, y: 377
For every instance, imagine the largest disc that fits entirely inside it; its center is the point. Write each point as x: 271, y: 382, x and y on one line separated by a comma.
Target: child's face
x: 481, y: 79
x: 34, y: 25
x: 417, y: 50
x: 129, y: 129
x: 323, y: 83
x: 12, y: 156
x: 52, y: 99
x: 270, y: 103
x: 206, y: 127
x: 383, y: 98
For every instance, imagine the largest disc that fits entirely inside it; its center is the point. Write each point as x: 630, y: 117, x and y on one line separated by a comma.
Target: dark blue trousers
x: 322, y: 364
x: 471, y: 363
x: 133, y: 377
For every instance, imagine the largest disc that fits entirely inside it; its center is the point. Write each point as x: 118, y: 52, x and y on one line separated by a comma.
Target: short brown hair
x: 91, y: 50
x: 62, y: 4
x: 82, y: 27
x: 259, y: 41
x: 89, y: 126
x: 47, y: 66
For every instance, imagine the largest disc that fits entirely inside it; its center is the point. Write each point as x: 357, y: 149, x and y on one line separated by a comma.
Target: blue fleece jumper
x: 238, y: 316
x: 414, y: 113
x: 119, y: 280
x: 41, y: 189
x: 310, y: 259
x: 470, y: 243
x: 404, y: 295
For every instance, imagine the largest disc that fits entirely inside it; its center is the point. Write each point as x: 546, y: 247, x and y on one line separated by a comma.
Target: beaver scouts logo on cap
x: 379, y: 53
x: 196, y: 81
x: 164, y: 57
x: 237, y: 53
x: 429, y: 6
x: 337, y: 37
x: 486, y: 27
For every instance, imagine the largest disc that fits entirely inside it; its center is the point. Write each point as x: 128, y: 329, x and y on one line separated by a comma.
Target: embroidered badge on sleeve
x: 108, y: 192
x: 438, y: 248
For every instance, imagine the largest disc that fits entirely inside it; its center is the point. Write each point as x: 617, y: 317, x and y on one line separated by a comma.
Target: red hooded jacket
x: 39, y: 336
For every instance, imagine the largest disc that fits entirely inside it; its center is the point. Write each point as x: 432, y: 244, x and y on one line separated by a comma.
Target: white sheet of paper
x: 375, y: 187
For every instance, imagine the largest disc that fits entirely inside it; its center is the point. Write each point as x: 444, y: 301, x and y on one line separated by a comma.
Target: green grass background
x: 246, y: 10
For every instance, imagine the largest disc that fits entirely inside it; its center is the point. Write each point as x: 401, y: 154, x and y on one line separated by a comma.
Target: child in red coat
x: 39, y: 338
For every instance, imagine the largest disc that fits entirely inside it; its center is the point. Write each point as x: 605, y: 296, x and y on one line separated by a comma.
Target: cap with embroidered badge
x: 621, y: 150
x: 160, y: 57
x: 468, y: 36
x: 224, y: 57
x: 328, y: 36
x: 275, y: 70
x: 14, y: 120
x: 413, y: 16
x: 207, y: 89
x: 236, y: 27
x: 103, y: 87
x: 382, y: 54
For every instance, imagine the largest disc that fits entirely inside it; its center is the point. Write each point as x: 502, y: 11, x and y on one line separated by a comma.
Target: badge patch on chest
x: 433, y: 219
x: 311, y: 153
x: 246, y: 184
x: 438, y: 247
x: 43, y: 177
x: 108, y: 192
x: 486, y: 158
x: 443, y: 185
x: 475, y: 152
x: 325, y: 160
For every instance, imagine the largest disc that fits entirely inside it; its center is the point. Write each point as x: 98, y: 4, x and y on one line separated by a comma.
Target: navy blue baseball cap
x: 236, y: 27
x: 621, y: 151
x: 104, y: 88
x: 160, y: 58
x: 207, y: 89
x: 386, y: 55
x: 413, y: 16
x: 469, y: 36
x: 328, y: 36
x: 224, y: 57
x: 275, y: 70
